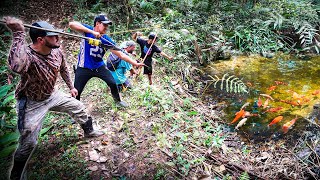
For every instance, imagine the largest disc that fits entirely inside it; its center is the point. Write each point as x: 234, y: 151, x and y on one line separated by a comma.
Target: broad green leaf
x: 8, y: 150
x: 8, y: 99
x: 45, y: 130
x: 9, y: 138
x: 4, y: 90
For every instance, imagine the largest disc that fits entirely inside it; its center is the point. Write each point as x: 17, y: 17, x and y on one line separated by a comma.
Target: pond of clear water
x: 280, y: 86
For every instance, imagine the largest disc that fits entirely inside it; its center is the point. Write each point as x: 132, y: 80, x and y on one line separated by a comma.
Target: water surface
x: 292, y: 83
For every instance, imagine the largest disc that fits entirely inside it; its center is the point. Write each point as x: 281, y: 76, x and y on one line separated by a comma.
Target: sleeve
x: 65, y: 73
x: 128, y: 66
x: 89, y: 27
x: 156, y: 49
x: 139, y: 41
x: 124, y: 64
x: 107, y: 40
x: 18, y: 59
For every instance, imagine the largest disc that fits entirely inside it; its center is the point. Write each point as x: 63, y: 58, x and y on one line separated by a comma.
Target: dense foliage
x: 246, y: 26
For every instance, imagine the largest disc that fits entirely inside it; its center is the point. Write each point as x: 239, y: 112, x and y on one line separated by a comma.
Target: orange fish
x: 316, y: 92
x: 274, y: 109
x: 280, y: 83
x: 271, y: 88
x: 276, y: 120
x: 288, y: 125
x: 305, y: 100
x: 266, y: 104
x: 259, y: 102
x: 239, y: 114
x: 294, y: 103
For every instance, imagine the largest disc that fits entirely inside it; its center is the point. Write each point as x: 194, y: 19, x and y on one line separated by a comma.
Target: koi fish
x: 288, y: 125
x: 275, y: 120
x: 266, y: 104
x: 305, y: 100
x: 245, y: 105
x: 271, y: 88
x: 248, y: 114
x: 259, y: 102
x: 239, y: 114
x: 267, y: 96
x: 294, y: 103
x: 280, y: 83
x: 241, y: 123
x: 276, y: 109
x: 316, y: 92
x: 249, y: 84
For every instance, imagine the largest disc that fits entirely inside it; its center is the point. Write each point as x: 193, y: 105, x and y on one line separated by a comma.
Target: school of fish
x: 296, y: 100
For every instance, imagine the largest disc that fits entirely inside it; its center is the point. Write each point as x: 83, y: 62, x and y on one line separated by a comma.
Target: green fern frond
x: 244, y: 176
x: 229, y: 83
x: 227, y: 87
x: 307, y: 34
x: 221, y: 86
x: 217, y: 80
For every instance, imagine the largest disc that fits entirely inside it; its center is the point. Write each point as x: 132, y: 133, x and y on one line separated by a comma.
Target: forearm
x: 124, y: 57
x: 18, y: 59
x: 79, y: 27
x: 165, y: 55
x: 135, y: 36
x: 66, y: 75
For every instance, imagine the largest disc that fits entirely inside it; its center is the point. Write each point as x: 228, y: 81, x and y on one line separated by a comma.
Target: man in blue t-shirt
x: 90, y: 58
x: 145, y: 47
x: 119, y: 67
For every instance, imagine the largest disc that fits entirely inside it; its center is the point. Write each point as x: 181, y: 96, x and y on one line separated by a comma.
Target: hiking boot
x: 88, y: 129
x: 94, y: 133
x: 122, y: 104
x: 72, y: 121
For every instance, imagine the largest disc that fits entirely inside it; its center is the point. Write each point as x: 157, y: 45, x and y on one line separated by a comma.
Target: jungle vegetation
x: 197, y: 32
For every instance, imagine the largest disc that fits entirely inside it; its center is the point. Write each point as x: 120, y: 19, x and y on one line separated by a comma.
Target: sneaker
x: 122, y: 104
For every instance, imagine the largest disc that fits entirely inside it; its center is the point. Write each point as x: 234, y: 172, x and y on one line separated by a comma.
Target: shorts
x: 147, y: 69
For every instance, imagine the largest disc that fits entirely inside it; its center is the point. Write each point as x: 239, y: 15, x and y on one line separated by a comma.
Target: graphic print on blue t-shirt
x: 91, y: 57
x: 145, y: 50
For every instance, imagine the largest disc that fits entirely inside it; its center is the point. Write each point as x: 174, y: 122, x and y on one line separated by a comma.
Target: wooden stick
x: 51, y: 30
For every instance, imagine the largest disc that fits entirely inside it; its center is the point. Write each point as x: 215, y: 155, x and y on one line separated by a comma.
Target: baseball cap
x: 35, y: 33
x: 102, y: 18
x: 153, y: 35
x: 126, y: 44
